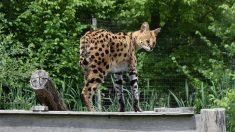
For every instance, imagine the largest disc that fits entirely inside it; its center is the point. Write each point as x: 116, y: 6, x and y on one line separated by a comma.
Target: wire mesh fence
x: 161, y: 83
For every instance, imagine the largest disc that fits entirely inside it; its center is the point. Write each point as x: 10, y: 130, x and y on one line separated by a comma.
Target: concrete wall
x: 67, y: 121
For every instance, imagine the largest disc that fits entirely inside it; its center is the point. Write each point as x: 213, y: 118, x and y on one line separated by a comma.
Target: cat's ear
x: 156, y: 31
x: 144, y: 27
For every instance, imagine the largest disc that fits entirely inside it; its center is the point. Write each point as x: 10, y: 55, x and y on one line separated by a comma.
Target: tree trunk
x: 46, y: 91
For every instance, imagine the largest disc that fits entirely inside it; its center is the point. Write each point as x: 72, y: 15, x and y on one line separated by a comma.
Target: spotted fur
x: 103, y: 52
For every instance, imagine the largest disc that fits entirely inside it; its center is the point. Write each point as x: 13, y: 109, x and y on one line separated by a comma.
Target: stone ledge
x: 189, y: 110
x: 144, y: 113
x: 64, y: 121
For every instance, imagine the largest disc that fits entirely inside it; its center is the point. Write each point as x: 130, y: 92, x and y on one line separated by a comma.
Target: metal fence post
x: 98, y: 94
x: 94, y: 22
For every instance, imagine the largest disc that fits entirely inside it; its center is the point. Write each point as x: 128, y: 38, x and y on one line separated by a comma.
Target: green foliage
x: 187, y: 101
x: 196, y: 44
x: 16, y: 98
x: 228, y: 102
x: 71, y: 94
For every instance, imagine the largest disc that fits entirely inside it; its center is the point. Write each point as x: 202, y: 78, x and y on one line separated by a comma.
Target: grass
x: 16, y: 98
x: 203, y: 97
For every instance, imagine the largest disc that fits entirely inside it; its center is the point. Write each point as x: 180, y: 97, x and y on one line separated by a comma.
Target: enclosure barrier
x: 164, y: 120
x: 58, y: 119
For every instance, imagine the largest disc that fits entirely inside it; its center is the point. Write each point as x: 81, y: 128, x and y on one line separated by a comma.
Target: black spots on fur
x: 93, y: 66
x: 119, y: 54
x: 107, y: 66
x: 106, y: 36
x: 91, y: 80
x: 96, y: 47
x: 89, y: 89
x: 101, y: 76
x: 91, y: 48
x: 112, y: 50
x: 104, y: 62
x: 115, y: 55
x: 99, y: 62
x: 101, y: 41
x: 100, y: 70
x: 102, y: 54
x: 117, y: 45
x: 94, y: 89
x: 100, y: 49
x: 102, y: 45
x: 125, y: 54
x: 85, y: 62
x: 125, y: 45
x: 98, y: 80
x: 92, y: 57
x: 97, y: 54
x: 106, y: 52
x: 112, y: 43
x: 133, y: 82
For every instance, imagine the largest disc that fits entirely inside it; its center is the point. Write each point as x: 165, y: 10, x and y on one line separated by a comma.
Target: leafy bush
x: 228, y: 102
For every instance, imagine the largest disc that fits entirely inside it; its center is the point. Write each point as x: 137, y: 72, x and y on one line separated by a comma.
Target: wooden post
x: 46, y: 91
x: 94, y: 23
x: 212, y: 120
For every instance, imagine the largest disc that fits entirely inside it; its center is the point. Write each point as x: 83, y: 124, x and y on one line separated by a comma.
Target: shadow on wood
x: 46, y: 91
